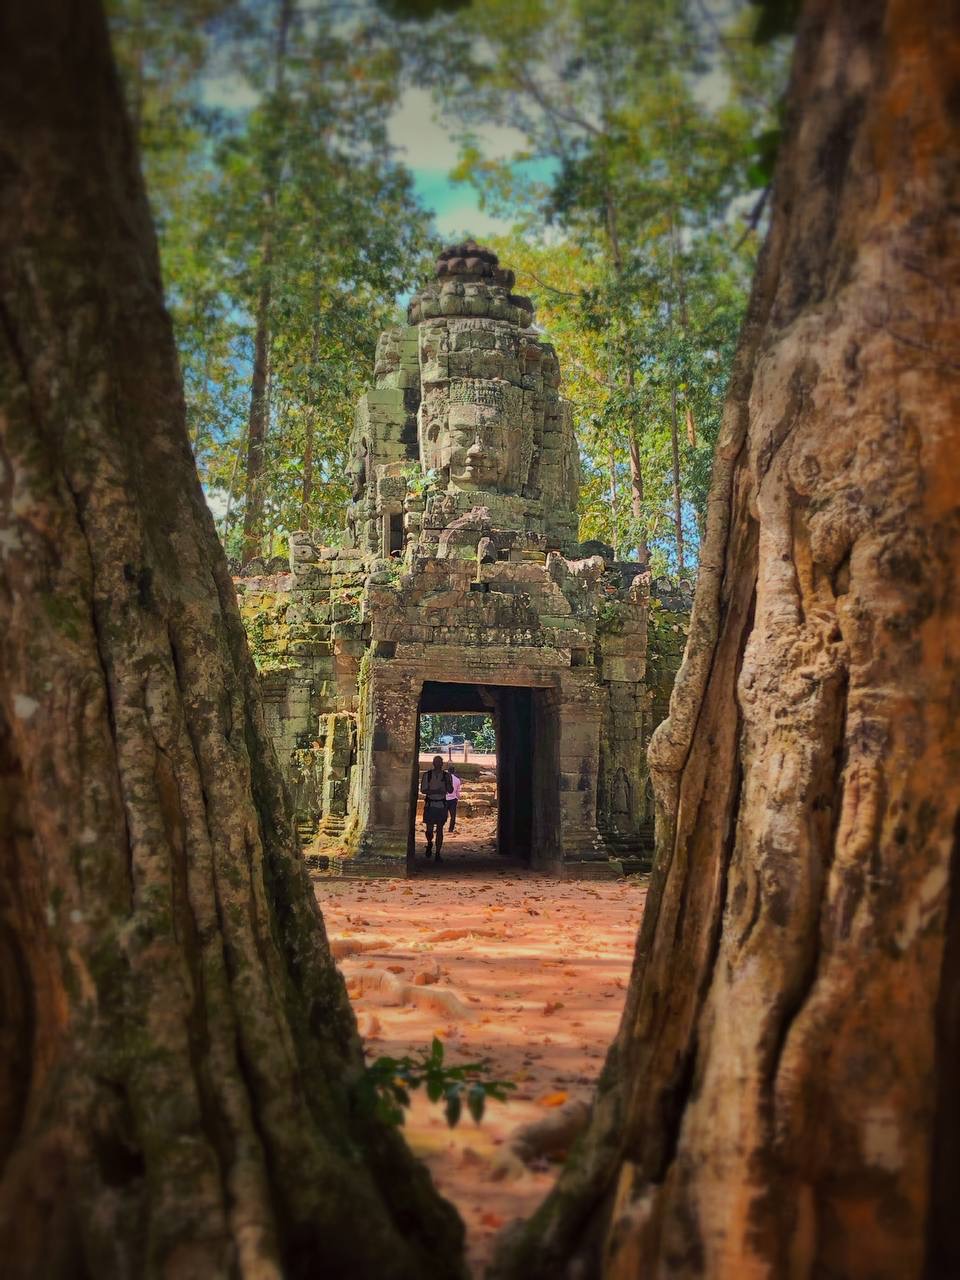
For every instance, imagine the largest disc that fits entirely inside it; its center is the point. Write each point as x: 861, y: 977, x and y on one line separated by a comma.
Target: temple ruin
x: 461, y: 586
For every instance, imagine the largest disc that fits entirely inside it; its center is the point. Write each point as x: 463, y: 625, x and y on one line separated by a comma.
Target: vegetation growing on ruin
x: 179, y: 1090
x: 266, y: 629
x: 418, y: 480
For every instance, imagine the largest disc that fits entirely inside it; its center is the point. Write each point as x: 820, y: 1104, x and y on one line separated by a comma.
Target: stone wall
x: 345, y: 655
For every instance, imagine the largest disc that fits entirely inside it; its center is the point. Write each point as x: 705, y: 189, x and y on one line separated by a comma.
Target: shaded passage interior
x: 524, y: 764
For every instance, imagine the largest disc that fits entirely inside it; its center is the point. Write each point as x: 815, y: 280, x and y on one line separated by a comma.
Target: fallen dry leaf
x: 369, y: 1026
x: 552, y: 1099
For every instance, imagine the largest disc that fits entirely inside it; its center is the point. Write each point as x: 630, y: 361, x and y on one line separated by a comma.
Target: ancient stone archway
x: 462, y: 567
x: 530, y: 808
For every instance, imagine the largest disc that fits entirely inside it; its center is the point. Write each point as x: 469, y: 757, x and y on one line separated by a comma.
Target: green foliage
x: 649, y: 134
x: 386, y: 1085
x: 262, y: 646
x: 271, y: 175
x: 667, y: 633
x: 418, y: 481
x: 636, y: 204
x: 477, y: 729
x: 610, y: 617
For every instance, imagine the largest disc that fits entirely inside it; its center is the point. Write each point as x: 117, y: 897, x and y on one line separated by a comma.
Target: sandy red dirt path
x: 499, y: 963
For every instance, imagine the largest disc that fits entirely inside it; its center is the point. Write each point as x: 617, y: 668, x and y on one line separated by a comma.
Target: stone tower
x: 461, y: 587
x: 468, y: 394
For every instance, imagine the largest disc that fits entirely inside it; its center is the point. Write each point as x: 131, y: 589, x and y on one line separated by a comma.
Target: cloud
x: 217, y: 501
x: 426, y: 143
x: 230, y: 92
x: 465, y: 218
x: 455, y: 205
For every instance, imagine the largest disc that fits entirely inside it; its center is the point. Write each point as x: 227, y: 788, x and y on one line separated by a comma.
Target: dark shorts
x: 435, y: 813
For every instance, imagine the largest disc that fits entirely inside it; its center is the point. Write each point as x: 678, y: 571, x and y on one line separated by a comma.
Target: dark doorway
x: 526, y: 762
x: 396, y: 532
x: 515, y: 773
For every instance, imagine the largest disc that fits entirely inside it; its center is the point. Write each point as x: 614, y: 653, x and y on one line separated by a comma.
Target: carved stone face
x: 476, y: 446
x: 480, y: 419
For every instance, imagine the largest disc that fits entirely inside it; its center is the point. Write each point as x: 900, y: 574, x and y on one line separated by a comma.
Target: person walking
x: 435, y: 785
x: 453, y: 797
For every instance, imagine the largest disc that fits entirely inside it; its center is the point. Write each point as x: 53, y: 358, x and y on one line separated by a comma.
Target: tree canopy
x: 284, y: 219
x: 290, y: 231
x: 636, y: 204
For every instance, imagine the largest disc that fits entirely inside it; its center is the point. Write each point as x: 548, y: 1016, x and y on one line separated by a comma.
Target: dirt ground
x: 500, y: 964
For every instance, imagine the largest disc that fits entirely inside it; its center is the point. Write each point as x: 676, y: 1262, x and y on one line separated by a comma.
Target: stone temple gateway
x: 461, y: 586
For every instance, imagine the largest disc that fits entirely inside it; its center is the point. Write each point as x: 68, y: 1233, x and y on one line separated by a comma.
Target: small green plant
x: 387, y: 1083
x: 396, y: 569
x: 418, y: 480
x: 610, y: 617
x: 263, y: 651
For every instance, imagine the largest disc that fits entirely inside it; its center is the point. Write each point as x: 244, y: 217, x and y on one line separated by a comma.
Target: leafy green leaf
x: 476, y: 1101
x: 452, y: 1106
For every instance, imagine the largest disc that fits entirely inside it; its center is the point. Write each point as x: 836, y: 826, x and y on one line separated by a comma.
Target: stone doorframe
x: 567, y: 720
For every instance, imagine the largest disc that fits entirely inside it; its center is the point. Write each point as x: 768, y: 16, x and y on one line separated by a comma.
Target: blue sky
x: 424, y: 144
x: 429, y: 150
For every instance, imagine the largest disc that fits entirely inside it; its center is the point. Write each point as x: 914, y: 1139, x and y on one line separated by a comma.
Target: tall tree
x: 259, y: 403
x: 179, y: 1054
x: 781, y: 1096
x: 637, y: 172
x: 287, y: 230
x: 319, y: 230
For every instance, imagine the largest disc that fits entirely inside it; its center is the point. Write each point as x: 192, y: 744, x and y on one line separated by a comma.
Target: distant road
x: 486, y: 760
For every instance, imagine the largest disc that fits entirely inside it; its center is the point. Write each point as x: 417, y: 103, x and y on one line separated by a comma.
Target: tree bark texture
x: 177, y: 1051
x: 781, y: 1098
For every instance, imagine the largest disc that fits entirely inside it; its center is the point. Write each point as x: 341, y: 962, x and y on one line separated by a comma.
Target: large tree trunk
x: 781, y: 1099
x: 177, y: 1052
